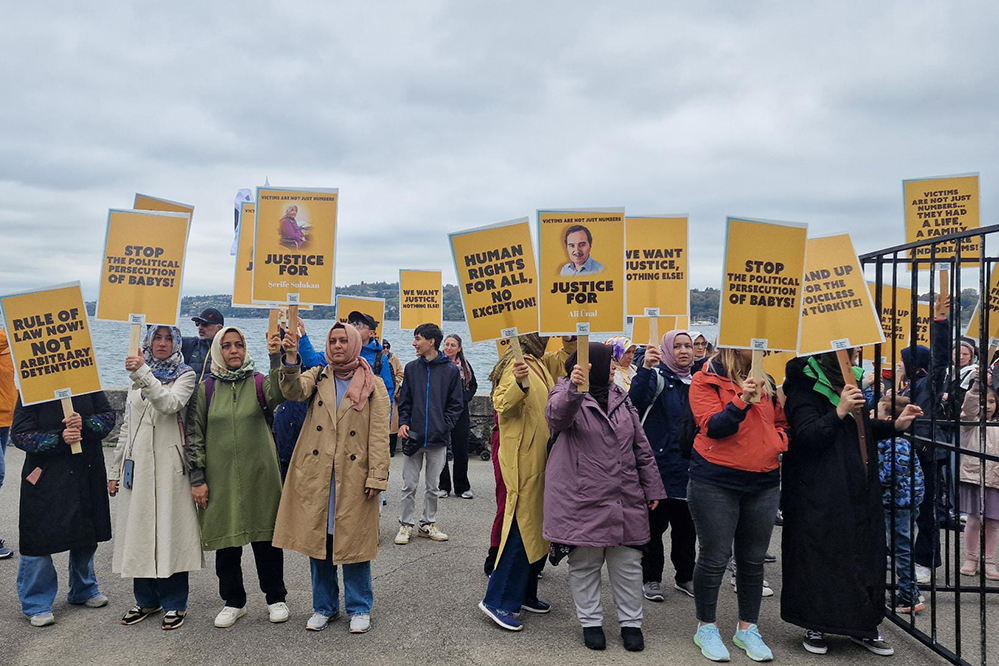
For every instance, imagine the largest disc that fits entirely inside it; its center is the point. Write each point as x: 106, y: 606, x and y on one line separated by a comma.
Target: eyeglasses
x: 700, y: 344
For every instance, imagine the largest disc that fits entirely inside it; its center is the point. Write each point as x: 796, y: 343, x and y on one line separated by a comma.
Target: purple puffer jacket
x: 601, y: 472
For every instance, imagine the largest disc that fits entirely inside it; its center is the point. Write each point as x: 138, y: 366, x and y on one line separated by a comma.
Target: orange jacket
x: 8, y: 391
x: 732, y: 433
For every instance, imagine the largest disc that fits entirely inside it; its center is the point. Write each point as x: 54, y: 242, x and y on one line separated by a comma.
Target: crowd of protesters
x: 593, y: 465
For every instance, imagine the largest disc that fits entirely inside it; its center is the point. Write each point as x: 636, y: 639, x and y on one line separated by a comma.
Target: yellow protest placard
x: 939, y: 206
x: 992, y: 331
x: 582, y: 285
x: 641, y: 327
x: 242, y: 289
x: 146, y: 202
x: 50, y: 343
x: 761, y: 285
x: 420, y: 298
x: 896, y: 318
x: 656, y: 265
x: 373, y: 307
x: 837, y: 309
x: 143, y: 266
x: 498, y: 279
x: 924, y: 317
x: 775, y: 364
x: 294, y: 245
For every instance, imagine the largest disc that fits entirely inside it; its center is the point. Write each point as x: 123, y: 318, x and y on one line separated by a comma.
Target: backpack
x: 376, y: 367
x: 258, y: 379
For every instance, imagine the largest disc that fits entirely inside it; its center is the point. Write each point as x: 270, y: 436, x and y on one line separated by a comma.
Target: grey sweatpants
x: 412, y: 465
x: 624, y: 568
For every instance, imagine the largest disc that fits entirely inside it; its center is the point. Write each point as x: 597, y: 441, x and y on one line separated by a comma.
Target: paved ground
x: 425, y: 611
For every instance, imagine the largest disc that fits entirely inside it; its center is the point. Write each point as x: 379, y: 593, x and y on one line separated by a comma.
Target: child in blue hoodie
x: 902, y: 486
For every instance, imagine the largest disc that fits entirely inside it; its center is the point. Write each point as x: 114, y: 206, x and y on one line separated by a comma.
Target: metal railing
x: 955, y: 621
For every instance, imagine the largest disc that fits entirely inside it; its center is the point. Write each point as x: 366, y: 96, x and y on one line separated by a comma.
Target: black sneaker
x: 5, y: 553
x: 815, y: 642
x: 876, y: 645
x: 137, y: 614
x: 633, y: 639
x: 593, y: 638
x: 769, y: 558
x: 173, y: 620
x: 780, y: 519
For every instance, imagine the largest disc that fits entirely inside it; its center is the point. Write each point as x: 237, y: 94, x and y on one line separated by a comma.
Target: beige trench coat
x: 156, y: 532
x: 353, y: 443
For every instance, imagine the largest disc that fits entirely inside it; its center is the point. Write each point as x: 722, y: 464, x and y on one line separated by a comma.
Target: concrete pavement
x: 425, y: 610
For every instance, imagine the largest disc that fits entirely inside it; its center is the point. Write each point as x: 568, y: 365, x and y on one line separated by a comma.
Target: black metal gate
x: 961, y: 612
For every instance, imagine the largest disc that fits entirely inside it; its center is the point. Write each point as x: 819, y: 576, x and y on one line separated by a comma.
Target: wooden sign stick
x: 654, y: 331
x: 583, y: 360
x: 272, y: 322
x: 293, y: 318
x: 518, y: 355
x: 756, y: 373
x: 67, y: 411
x: 135, y: 340
x: 846, y: 367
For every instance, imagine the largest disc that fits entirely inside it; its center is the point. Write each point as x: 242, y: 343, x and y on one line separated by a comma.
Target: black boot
x: 633, y: 639
x: 593, y: 638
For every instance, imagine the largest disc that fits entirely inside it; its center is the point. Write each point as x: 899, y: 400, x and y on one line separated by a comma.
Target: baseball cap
x: 365, y: 319
x: 209, y: 316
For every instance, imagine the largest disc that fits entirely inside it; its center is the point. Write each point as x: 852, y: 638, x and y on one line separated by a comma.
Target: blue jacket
x: 431, y: 401
x: 197, y: 353
x: 907, y: 495
x: 311, y: 358
x: 662, y: 426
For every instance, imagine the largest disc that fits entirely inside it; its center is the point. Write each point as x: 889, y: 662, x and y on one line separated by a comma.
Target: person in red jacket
x: 8, y: 398
x: 733, y: 493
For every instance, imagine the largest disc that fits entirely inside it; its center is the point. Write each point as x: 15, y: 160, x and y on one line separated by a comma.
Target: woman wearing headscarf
x: 702, y: 349
x: 235, y: 475
x: 64, y: 500
x: 623, y: 350
x: 832, y: 497
x: 329, y: 509
x: 600, y: 482
x: 520, y: 393
x: 158, y: 540
x: 660, y: 394
x: 452, y: 348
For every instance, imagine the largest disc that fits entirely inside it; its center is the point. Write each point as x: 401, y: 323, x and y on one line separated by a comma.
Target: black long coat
x: 67, y: 507
x: 833, y: 539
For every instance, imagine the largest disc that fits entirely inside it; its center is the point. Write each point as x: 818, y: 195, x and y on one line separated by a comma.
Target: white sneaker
x: 467, y: 495
x: 359, y: 624
x: 318, y: 622
x: 923, y: 574
x: 96, y: 601
x: 278, y: 612
x: 228, y: 616
x: 402, y: 538
x: 42, y: 620
x: 431, y: 532
x: 767, y: 590
x: 442, y: 494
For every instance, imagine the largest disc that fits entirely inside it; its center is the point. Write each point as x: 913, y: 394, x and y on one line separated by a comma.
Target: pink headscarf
x: 356, y: 369
x: 669, y: 360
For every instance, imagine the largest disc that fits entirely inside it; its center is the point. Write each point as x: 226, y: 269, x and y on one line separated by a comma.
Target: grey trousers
x: 412, y: 465
x: 624, y: 568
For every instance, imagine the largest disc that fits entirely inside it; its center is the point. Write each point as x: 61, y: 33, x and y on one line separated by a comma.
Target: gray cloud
x: 438, y: 116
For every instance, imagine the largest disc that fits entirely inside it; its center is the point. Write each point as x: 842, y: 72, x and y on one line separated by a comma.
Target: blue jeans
x: 170, y: 593
x: 908, y: 591
x: 358, y: 596
x: 515, y: 579
x: 37, y: 582
x: 4, y: 435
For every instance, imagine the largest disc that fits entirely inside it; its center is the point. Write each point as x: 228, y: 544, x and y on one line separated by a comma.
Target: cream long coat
x: 353, y: 442
x: 156, y: 532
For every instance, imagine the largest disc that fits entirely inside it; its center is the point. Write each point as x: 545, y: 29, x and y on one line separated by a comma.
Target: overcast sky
x: 433, y: 117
